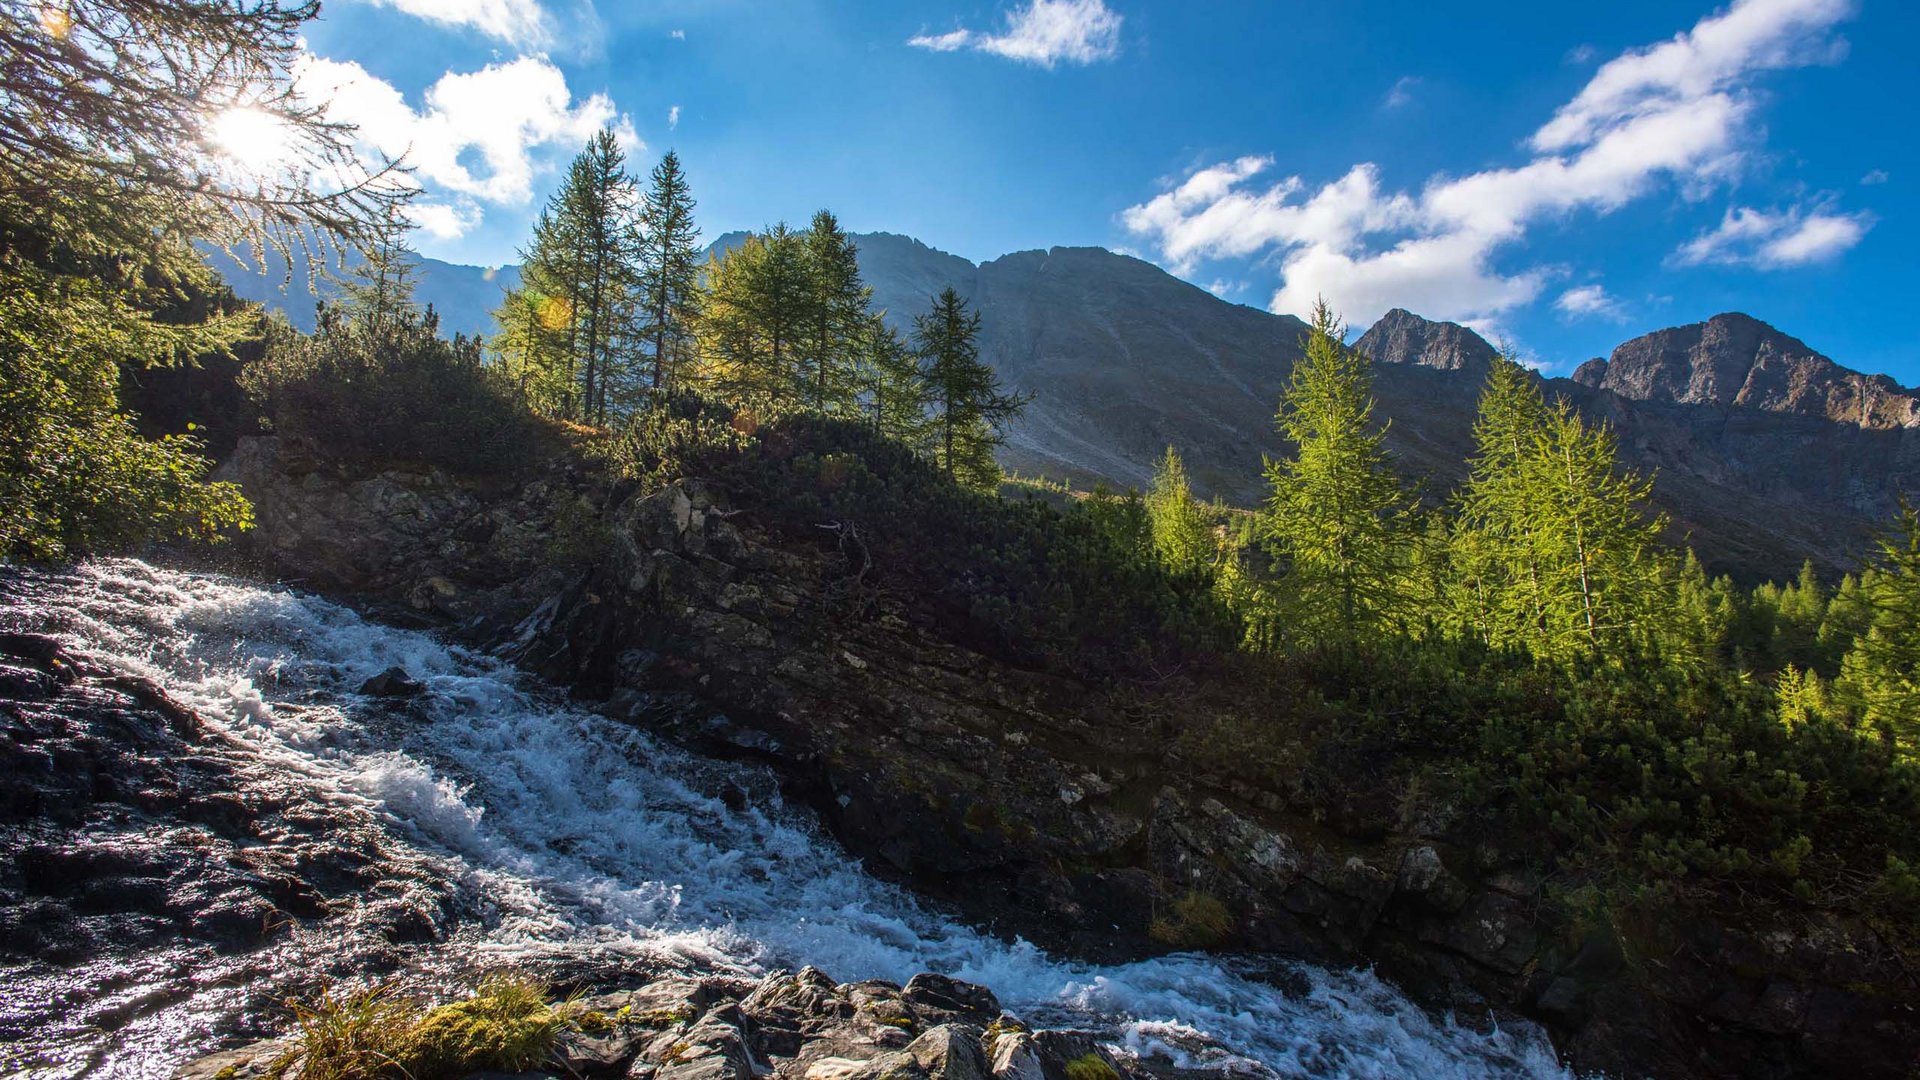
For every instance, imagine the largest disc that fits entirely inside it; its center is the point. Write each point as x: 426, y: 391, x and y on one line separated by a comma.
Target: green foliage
x: 1090, y: 1067
x: 668, y: 270
x: 1182, y: 534
x: 379, y: 386
x: 571, y: 333
x: 106, y: 179
x: 970, y: 410
x: 1880, y: 677
x: 75, y: 474
x: 1556, y: 554
x: 1336, y: 515
x: 377, y: 1034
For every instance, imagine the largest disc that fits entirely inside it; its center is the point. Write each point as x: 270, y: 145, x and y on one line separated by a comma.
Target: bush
x: 392, y: 392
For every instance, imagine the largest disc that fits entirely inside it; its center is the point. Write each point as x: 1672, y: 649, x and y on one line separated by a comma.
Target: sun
x: 251, y: 140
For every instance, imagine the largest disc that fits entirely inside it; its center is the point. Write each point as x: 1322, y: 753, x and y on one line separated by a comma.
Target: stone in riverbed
x: 393, y: 683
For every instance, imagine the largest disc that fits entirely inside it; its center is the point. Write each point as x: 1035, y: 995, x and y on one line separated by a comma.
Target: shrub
x: 394, y: 392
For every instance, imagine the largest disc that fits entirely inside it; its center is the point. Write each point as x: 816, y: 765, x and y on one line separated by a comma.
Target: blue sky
x: 1562, y: 176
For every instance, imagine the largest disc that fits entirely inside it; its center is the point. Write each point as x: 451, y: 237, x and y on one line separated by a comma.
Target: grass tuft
x: 378, y: 1034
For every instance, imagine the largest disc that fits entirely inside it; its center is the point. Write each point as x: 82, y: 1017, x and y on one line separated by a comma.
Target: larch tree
x: 1182, y: 537
x: 1880, y: 677
x: 1336, y: 515
x: 1605, y: 575
x: 1500, y: 595
x: 836, y: 312
x: 892, y: 387
x: 970, y: 408
x: 669, y: 270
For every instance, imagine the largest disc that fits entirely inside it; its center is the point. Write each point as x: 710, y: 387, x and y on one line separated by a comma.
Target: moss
x: 1197, y: 920
x: 1090, y: 1067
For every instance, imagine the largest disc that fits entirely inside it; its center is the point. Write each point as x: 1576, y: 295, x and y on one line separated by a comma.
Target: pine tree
x: 1336, y: 515
x: 836, y: 312
x: 669, y: 270
x: 970, y: 409
x: 1181, y: 535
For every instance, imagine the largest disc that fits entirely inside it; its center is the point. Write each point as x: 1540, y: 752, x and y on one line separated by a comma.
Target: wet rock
x: 393, y: 683
x: 938, y: 999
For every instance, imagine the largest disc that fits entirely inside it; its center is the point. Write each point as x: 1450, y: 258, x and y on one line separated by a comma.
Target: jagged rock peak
x: 1401, y: 337
x: 1736, y: 360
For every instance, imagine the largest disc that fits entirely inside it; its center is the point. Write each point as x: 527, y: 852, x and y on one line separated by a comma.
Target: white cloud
x: 443, y: 221
x: 1674, y: 113
x: 478, y: 137
x: 1718, y: 54
x: 1875, y: 176
x: 1402, y: 92
x: 1044, y: 33
x: 673, y: 118
x: 519, y: 22
x: 677, y: 35
x: 1583, y: 301
x: 1775, y: 240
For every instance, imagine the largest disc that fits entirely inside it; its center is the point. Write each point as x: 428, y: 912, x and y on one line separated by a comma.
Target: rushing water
x: 566, y: 833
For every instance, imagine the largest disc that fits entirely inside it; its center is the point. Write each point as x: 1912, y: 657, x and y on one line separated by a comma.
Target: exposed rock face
x: 1048, y: 805
x: 1401, y: 337
x: 1735, y: 360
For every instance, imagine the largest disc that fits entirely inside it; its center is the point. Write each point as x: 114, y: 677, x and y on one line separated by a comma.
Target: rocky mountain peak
x: 1401, y: 337
x: 1735, y: 360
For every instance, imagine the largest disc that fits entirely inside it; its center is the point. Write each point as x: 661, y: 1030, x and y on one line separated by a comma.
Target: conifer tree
x: 1880, y: 677
x: 1336, y: 515
x: 1181, y: 535
x: 579, y: 287
x: 669, y: 269
x: 836, y: 315
x: 970, y: 410
x: 108, y: 178
x: 892, y: 387
x: 1500, y: 594
x: 1604, y: 573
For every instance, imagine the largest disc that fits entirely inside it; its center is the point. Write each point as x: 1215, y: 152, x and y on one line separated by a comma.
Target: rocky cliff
x: 1054, y: 806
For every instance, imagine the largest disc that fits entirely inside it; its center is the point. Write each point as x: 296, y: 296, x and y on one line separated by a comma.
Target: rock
x: 950, y: 1052
x: 938, y: 999
x: 393, y: 683
x: 714, y: 1048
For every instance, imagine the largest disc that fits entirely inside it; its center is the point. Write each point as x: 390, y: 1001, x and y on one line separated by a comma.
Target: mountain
x: 1766, y: 452
x: 1401, y: 337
